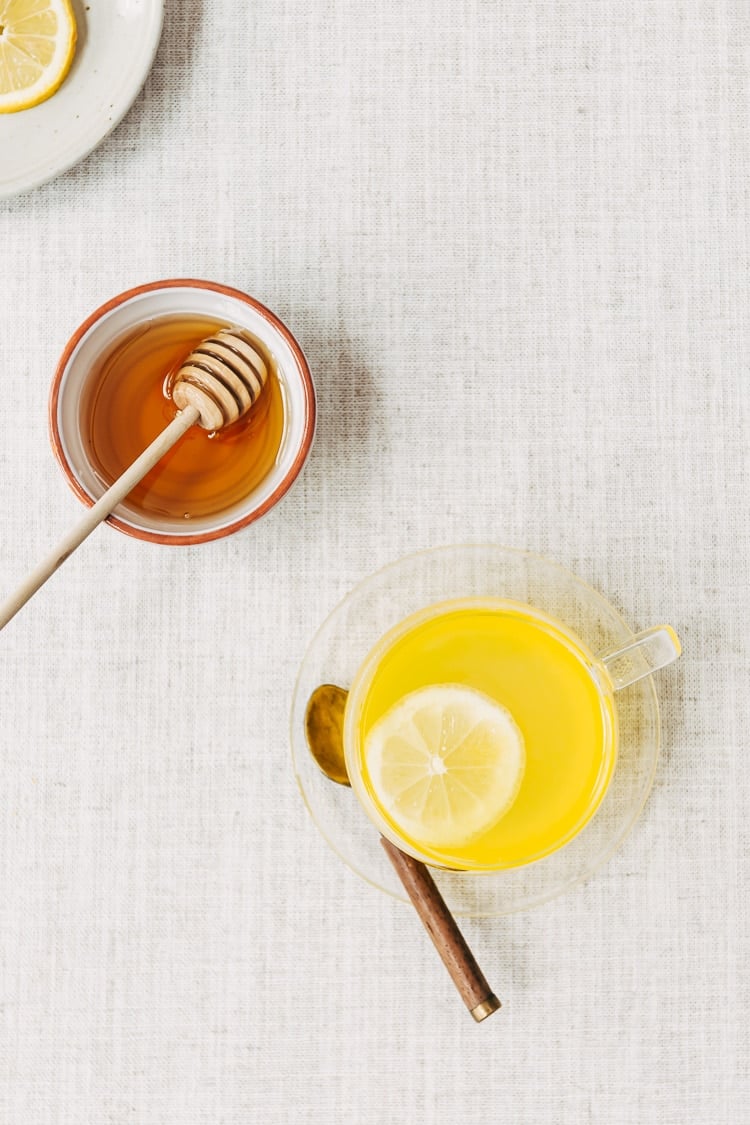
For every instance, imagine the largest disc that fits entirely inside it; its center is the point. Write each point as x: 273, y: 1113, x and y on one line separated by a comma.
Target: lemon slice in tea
x: 445, y: 763
x: 37, y: 44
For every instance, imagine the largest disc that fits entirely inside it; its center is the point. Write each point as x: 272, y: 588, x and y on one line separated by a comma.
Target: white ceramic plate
x: 117, y: 41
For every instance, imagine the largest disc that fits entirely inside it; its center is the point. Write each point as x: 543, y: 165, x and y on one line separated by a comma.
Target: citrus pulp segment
x: 37, y: 44
x: 445, y: 763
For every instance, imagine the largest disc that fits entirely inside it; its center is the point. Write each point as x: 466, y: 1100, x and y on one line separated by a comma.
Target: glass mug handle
x: 647, y: 652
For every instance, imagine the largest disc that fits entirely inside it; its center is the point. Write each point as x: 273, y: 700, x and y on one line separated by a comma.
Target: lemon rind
x: 15, y: 101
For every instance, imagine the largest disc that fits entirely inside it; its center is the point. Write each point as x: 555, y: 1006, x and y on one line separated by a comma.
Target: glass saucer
x: 483, y: 571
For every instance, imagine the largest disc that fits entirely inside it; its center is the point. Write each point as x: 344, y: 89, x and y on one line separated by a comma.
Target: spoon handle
x: 444, y: 932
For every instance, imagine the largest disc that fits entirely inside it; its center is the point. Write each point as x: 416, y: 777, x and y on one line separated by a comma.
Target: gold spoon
x: 324, y: 729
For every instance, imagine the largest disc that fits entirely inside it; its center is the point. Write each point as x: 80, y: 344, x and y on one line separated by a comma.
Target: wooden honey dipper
x: 216, y: 385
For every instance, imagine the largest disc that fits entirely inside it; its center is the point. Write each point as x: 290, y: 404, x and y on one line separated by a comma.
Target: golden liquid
x: 546, y: 682
x: 127, y: 404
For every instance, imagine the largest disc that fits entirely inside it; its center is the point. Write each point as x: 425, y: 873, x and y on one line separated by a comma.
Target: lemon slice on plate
x: 37, y: 44
x: 445, y: 764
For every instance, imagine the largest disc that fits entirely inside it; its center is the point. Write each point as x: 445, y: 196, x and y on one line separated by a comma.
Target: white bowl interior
x: 164, y: 302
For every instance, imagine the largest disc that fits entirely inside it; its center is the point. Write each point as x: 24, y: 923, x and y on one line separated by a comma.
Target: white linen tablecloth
x: 512, y: 239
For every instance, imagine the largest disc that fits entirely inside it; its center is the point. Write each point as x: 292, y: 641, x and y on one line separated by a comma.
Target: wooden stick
x: 444, y: 932
x: 99, y: 512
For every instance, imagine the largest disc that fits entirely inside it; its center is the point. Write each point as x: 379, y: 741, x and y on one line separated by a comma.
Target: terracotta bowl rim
x: 294, y: 469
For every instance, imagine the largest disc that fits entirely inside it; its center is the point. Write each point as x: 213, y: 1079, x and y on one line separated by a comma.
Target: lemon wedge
x: 37, y: 44
x: 445, y: 763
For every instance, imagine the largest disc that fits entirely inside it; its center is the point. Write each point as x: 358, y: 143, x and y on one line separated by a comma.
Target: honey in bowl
x: 128, y: 402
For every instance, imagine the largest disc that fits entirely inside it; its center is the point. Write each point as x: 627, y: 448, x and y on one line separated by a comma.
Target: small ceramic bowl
x: 186, y: 297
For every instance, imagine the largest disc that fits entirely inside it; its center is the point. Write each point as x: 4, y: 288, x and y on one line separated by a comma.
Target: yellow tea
x: 128, y: 403
x: 522, y: 664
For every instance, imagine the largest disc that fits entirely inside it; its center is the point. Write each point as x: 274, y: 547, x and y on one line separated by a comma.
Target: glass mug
x: 613, y: 662
x: 423, y: 737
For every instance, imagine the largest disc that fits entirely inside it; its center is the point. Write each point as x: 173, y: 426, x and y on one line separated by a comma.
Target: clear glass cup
x: 604, y: 673
x: 625, y: 660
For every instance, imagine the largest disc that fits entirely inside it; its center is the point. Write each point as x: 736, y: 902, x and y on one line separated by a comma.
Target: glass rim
x: 368, y: 670
x: 521, y: 902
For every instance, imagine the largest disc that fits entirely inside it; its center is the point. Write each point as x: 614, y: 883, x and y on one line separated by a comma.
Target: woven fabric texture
x: 512, y: 239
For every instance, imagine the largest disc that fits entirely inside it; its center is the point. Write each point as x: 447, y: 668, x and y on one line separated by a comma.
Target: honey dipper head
x: 221, y: 378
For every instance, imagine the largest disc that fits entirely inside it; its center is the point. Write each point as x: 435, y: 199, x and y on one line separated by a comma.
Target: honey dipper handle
x: 99, y: 512
x: 444, y: 932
